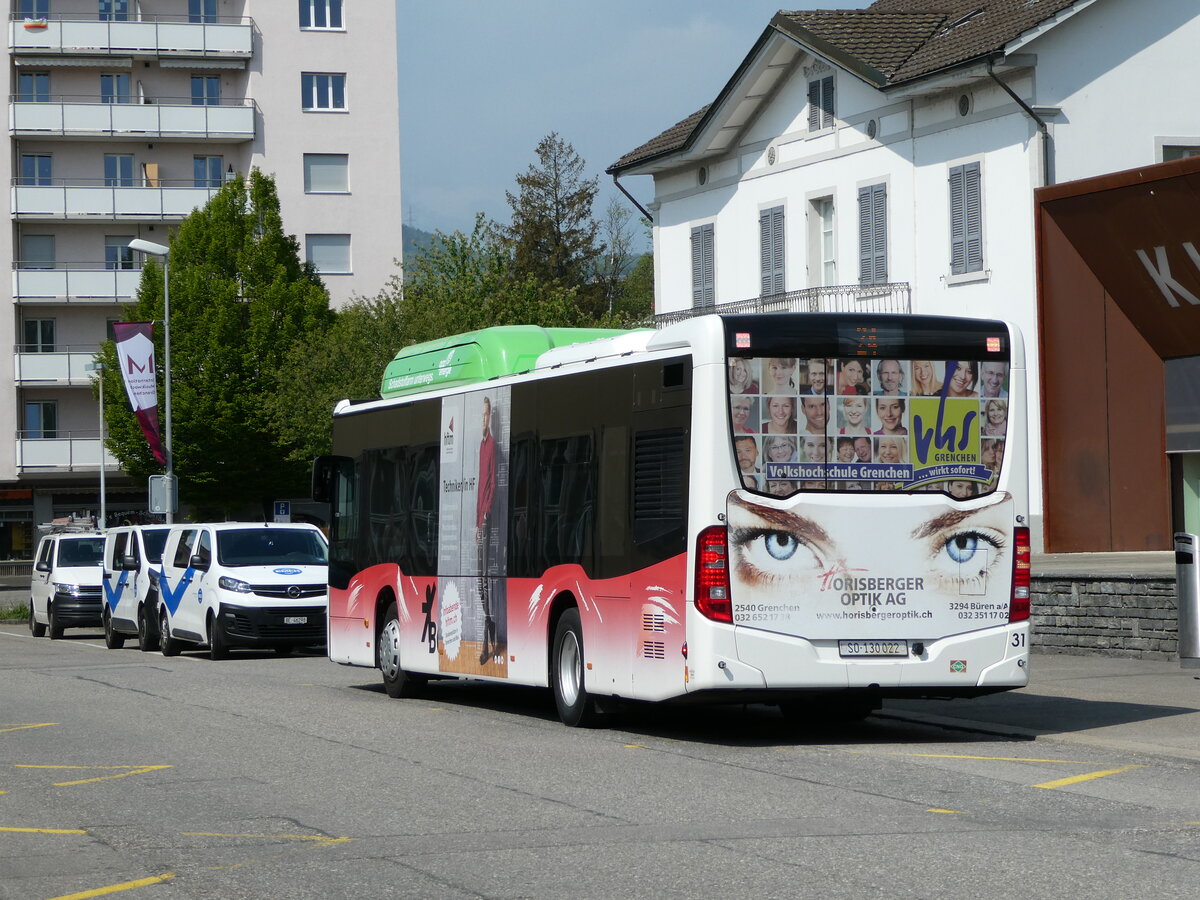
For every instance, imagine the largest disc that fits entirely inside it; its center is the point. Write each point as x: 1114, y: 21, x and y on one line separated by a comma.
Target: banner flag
x: 135, y: 353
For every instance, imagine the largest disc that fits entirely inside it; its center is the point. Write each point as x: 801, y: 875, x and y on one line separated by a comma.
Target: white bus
x: 818, y: 511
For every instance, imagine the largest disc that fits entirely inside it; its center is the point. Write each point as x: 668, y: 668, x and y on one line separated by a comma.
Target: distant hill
x: 415, y: 240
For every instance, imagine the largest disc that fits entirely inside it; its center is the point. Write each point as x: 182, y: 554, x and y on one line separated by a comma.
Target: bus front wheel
x: 575, y: 707
x: 396, y: 681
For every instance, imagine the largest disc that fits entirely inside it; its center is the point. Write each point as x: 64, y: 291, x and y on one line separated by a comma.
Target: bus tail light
x: 1018, y: 610
x: 712, y: 575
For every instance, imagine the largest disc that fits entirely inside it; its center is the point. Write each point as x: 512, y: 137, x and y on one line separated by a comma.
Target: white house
x: 901, y: 146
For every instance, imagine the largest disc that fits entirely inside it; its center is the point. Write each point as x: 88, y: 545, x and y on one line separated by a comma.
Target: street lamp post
x: 98, y: 368
x: 153, y: 249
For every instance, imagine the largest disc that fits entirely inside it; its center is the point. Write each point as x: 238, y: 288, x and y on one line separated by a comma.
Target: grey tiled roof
x: 889, y: 43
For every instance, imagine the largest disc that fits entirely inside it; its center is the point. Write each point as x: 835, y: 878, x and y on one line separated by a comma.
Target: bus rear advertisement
x: 814, y: 510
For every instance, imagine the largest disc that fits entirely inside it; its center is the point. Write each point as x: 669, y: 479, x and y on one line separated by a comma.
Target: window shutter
x: 872, y: 234
x: 814, y: 105
x: 770, y: 228
x: 827, y: 102
x: 703, y: 268
x: 958, y: 225
x: 973, y: 191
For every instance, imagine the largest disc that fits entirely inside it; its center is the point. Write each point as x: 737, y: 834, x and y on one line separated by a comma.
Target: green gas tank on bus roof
x: 478, y: 356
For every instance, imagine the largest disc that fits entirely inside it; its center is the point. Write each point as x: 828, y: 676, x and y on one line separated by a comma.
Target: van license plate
x: 873, y: 648
x: 295, y: 620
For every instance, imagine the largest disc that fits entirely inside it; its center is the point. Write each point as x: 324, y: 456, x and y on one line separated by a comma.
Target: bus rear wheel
x: 396, y: 681
x: 575, y: 707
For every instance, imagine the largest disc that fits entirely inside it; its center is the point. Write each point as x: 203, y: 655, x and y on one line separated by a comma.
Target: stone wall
x: 1131, y: 616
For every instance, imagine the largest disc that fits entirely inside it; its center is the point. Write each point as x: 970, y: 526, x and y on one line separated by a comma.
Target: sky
x: 483, y: 81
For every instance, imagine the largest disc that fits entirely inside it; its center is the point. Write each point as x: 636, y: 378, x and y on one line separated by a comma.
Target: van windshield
x: 270, y: 546
x: 80, y: 551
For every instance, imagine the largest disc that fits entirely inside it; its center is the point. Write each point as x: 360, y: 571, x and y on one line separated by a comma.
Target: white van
x: 64, y: 591
x: 132, y: 557
x: 243, y: 584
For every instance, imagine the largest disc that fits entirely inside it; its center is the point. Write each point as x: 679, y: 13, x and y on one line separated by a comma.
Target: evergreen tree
x: 240, y: 297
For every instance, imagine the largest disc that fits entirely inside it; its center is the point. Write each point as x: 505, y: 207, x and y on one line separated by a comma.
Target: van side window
x: 118, y: 550
x: 44, y: 556
x: 204, y: 551
x: 183, y: 550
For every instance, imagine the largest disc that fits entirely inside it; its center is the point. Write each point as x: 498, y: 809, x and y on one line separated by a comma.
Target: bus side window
x: 423, y: 511
x: 568, y: 501
x: 522, y: 507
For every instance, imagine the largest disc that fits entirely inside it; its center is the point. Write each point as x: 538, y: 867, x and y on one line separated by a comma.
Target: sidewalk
x: 1135, y: 705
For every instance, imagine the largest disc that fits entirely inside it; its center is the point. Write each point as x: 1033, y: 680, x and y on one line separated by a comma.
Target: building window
x: 33, y: 87
x: 822, y: 247
x: 1172, y: 152
x: 41, y: 419
x: 117, y: 254
x: 872, y: 234
x: 202, y: 11
x: 118, y: 170
x: 321, y: 14
x: 323, y: 90
x: 326, y: 173
x: 329, y: 253
x: 114, y: 88
x: 966, y: 220
x: 33, y: 9
x: 36, y: 168
x: 114, y: 10
x: 206, y: 90
x: 820, y: 103
x: 770, y: 232
x: 206, y: 171
x: 39, y: 336
x: 37, y: 251
x: 704, y: 283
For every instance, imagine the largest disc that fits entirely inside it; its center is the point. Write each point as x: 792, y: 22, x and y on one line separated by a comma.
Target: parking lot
x: 263, y: 776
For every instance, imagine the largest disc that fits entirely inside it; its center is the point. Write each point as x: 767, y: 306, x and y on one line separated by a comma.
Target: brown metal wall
x: 1105, y: 473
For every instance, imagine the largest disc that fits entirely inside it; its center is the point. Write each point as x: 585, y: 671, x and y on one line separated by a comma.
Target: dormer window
x: 820, y: 103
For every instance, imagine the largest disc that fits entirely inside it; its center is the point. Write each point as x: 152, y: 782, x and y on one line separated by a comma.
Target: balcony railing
x: 94, y: 199
x: 163, y: 117
x: 90, y: 281
x: 875, y: 298
x: 67, y: 451
x: 64, y: 364
x: 165, y: 35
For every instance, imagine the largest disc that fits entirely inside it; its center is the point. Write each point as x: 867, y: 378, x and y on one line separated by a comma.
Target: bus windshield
x: 893, y: 405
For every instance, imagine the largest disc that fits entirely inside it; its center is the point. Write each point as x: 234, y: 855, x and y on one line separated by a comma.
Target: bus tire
x: 113, y: 639
x: 167, y: 645
x: 575, y: 707
x: 147, y: 634
x: 217, y: 646
x: 36, y: 628
x: 396, y: 681
x: 56, y: 630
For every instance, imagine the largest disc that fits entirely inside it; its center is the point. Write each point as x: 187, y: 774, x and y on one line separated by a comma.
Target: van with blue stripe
x: 132, y: 557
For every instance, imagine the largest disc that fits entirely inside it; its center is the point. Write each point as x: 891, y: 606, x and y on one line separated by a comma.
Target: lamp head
x: 148, y: 247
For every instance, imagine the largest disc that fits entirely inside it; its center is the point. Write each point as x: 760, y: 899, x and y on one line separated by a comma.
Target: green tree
x: 553, y: 237
x: 240, y: 297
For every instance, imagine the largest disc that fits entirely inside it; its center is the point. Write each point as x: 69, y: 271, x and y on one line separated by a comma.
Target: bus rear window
x: 868, y: 423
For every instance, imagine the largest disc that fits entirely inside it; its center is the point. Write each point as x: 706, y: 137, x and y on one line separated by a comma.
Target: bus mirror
x: 324, y: 476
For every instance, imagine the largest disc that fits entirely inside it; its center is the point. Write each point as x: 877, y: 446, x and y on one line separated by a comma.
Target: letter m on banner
x: 135, y: 353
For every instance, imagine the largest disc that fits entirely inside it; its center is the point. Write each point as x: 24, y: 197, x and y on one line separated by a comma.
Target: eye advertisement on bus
x: 472, y: 589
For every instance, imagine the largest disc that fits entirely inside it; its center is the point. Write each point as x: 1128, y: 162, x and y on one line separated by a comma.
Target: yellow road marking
x: 314, y: 838
x: 635, y: 746
x: 1076, y: 779
x: 132, y: 770
x: 1072, y: 762
x: 116, y: 888
x: 4, y: 728
x: 43, y: 830
x: 948, y: 812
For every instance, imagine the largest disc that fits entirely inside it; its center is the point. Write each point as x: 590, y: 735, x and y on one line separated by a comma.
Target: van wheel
x: 56, y: 630
x: 147, y: 634
x: 167, y: 645
x: 217, y: 648
x: 575, y: 707
x: 113, y: 639
x: 36, y: 628
x: 396, y: 681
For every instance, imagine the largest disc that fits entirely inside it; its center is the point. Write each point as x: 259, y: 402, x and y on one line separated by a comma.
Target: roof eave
x: 818, y: 46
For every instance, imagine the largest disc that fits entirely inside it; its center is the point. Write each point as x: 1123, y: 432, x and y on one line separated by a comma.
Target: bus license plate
x: 873, y: 648
x: 300, y: 620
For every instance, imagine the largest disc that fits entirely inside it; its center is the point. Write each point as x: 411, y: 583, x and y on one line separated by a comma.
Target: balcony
x: 64, y: 365
x: 151, y: 35
x: 83, y: 282
x: 847, y: 298
x: 67, y: 451
x: 164, y: 118
x: 93, y: 199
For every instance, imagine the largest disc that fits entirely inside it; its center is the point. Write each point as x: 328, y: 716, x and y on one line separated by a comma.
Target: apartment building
x: 124, y: 116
